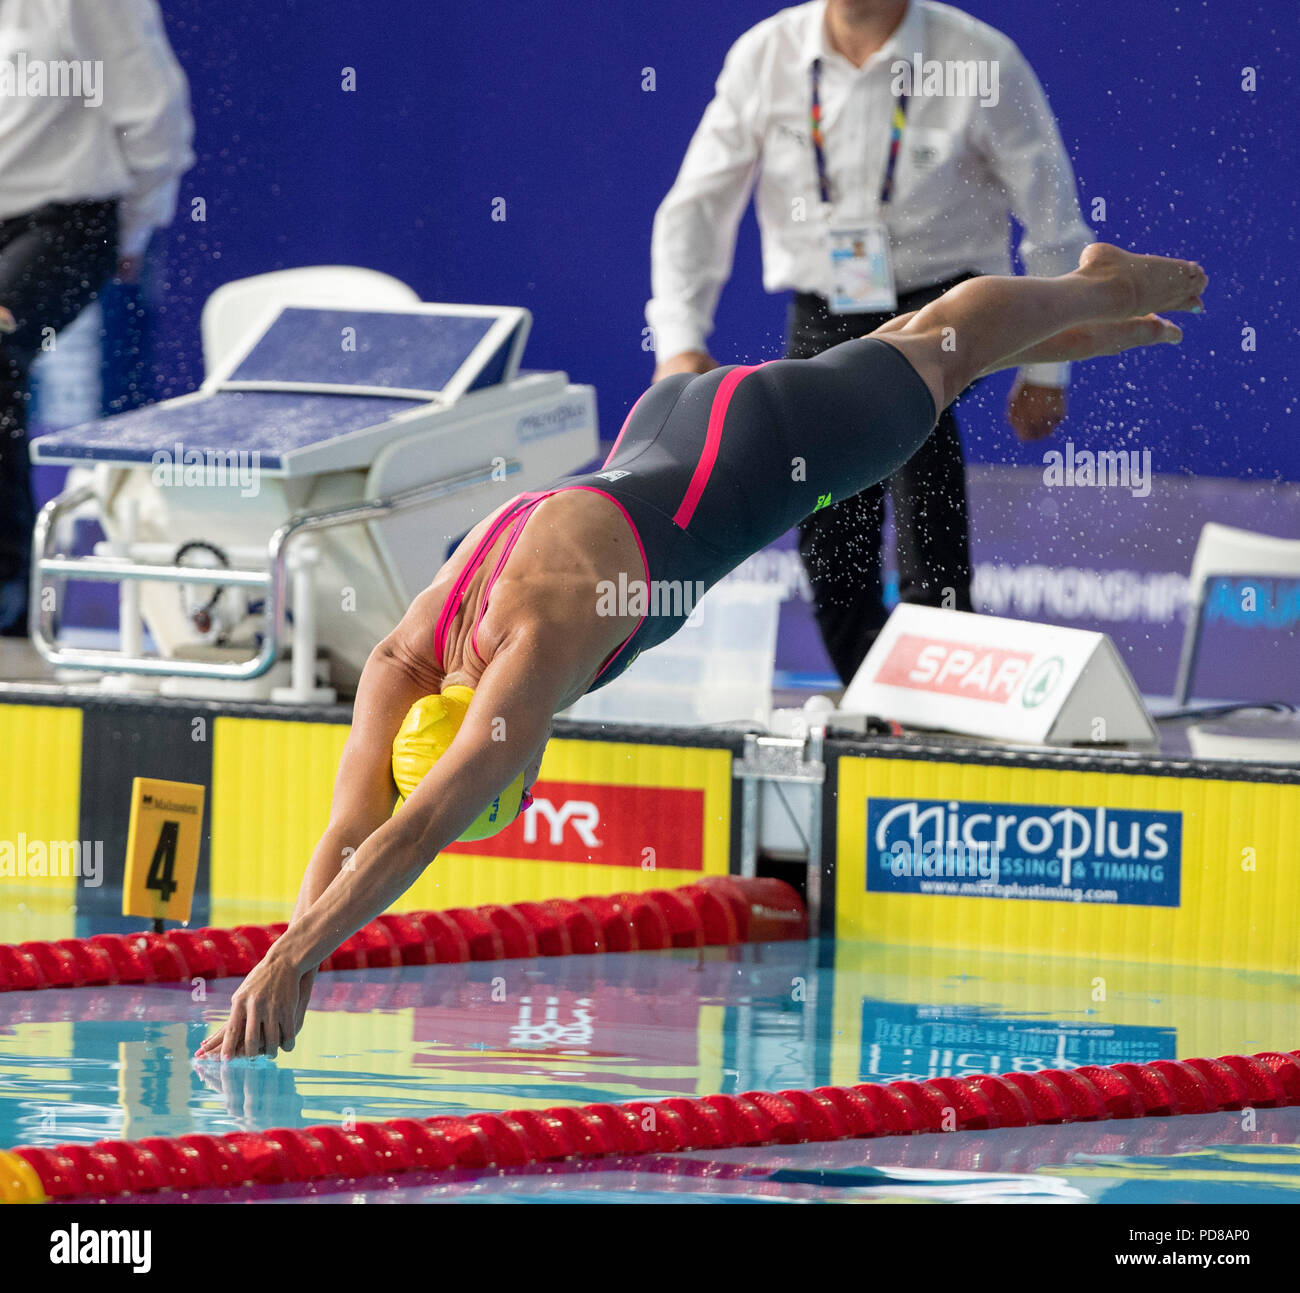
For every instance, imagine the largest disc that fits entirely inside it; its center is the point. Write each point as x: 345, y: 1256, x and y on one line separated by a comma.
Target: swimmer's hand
x: 266, y: 1013
x: 688, y: 361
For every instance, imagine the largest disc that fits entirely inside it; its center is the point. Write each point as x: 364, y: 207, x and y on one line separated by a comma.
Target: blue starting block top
x: 399, y: 352
x: 272, y: 424
x: 308, y: 387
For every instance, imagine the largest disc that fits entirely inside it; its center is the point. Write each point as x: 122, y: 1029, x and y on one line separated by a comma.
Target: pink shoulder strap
x: 451, y: 606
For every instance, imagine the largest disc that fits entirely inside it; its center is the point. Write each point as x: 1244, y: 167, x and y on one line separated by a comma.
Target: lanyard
x: 897, y: 118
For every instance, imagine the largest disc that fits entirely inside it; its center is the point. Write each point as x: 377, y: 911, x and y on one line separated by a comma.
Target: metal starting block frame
x: 370, y: 461
x: 768, y: 764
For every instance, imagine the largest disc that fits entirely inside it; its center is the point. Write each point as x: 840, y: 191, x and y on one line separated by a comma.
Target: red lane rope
x: 714, y: 911
x: 488, y: 1141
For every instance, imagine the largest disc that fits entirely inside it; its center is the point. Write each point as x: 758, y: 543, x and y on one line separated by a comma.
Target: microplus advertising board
x: 1058, y: 852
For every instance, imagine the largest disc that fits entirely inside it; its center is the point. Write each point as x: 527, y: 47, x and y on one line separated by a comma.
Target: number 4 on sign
x: 162, y: 869
x: 162, y: 849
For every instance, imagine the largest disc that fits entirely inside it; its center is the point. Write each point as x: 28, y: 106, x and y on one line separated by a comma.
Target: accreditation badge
x: 862, y: 275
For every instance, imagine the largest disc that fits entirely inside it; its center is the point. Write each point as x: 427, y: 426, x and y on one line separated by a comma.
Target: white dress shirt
x: 964, y: 163
x: 119, y: 125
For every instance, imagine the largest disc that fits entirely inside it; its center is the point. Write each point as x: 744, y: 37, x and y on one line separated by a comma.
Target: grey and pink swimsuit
x: 710, y: 469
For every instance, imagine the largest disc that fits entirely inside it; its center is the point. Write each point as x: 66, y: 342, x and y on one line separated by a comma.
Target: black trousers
x: 53, y: 261
x: 840, y: 545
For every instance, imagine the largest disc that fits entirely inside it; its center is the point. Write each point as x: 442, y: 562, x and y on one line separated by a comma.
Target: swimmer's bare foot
x: 1092, y: 340
x: 1141, y: 285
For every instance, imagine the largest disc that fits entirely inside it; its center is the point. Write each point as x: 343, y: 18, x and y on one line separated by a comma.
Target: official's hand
x: 1034, y: 412
x: 688, y: 361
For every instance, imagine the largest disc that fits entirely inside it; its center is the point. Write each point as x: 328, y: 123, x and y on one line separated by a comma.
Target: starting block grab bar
x: 271, y: 580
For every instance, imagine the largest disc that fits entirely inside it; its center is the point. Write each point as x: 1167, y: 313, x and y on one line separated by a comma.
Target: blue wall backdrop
x: 542, y: 104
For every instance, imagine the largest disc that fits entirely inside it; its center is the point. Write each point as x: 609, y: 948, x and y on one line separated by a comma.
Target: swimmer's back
x: 544, y: 588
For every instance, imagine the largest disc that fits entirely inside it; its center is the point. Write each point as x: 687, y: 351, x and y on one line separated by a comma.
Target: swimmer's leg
x: 1093, y: 340
x: 1086, y: 341
x: 992, y: 322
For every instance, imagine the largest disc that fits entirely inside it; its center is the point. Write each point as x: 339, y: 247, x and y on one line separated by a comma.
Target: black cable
x: 201, y: 616
x: 1222, y: 711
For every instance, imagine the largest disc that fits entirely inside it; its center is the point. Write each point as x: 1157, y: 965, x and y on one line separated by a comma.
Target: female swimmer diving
x: 706, y: 471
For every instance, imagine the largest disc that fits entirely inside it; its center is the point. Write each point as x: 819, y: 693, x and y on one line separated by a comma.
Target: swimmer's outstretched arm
x: 508, y: 720
x: 364, y: 793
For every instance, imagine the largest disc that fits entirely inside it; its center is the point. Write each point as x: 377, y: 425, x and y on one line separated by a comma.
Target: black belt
x: 75, y: 213
x: 812, y: 302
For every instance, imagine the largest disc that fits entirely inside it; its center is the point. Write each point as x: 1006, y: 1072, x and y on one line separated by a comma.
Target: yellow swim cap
x: 426, y: 734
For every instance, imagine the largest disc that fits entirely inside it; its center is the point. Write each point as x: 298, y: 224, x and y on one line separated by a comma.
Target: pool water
x: 95, y: 1063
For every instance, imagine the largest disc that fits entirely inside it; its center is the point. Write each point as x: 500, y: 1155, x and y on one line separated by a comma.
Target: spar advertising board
x: 1006, y: 679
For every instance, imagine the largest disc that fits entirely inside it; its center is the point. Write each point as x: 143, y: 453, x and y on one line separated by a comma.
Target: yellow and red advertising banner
x: 607, y: 816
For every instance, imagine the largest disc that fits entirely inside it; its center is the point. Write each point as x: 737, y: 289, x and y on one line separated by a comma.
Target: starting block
x: 268, y: 529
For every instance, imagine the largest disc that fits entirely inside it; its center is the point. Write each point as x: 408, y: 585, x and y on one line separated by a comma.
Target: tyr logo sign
x: 583, y: 815
x: 606, y: 823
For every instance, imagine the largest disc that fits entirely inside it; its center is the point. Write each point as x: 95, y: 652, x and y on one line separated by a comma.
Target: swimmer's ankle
x: 1106, y: 270
x: 1111, y: 296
